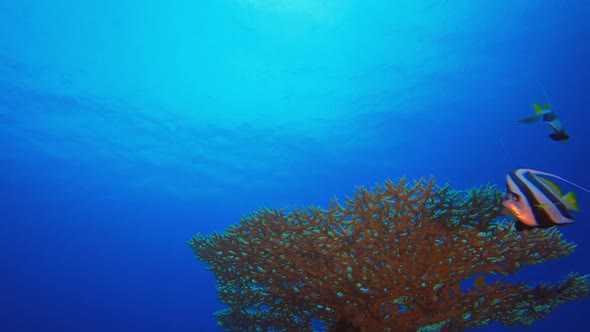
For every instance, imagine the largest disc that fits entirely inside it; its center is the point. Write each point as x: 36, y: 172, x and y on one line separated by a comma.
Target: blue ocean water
x: 127, y: 127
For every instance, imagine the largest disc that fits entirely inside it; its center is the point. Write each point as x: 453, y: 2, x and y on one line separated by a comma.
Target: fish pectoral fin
x: 571, y: 201
x: 529, y: 119
x: 543, y: 205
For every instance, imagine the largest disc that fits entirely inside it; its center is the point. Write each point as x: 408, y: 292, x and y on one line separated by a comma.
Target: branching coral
x: 388, y: 259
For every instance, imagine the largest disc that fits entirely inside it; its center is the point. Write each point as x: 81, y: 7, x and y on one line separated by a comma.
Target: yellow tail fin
x: 541, y: 109
x: 571, y: 200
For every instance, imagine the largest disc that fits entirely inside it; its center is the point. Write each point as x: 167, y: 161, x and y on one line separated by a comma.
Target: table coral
x: 387, y: 259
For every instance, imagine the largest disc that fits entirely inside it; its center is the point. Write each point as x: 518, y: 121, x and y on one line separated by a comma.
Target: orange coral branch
x: 388, y: 258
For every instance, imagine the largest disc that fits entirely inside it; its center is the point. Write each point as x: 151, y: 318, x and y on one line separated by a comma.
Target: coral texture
x: 387, y: 259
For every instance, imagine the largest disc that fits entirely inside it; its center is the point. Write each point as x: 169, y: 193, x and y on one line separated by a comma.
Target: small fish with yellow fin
x: 545, y: 113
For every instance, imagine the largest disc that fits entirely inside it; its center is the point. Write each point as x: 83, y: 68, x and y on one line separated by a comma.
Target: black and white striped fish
x: 537, y: 202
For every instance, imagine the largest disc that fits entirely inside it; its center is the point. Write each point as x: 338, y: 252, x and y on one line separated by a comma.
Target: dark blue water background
x: 126, y: 127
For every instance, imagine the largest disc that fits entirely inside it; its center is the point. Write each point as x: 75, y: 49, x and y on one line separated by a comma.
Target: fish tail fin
x: 540, y: 110
x: 557, y: 177
x: 572, y: 201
